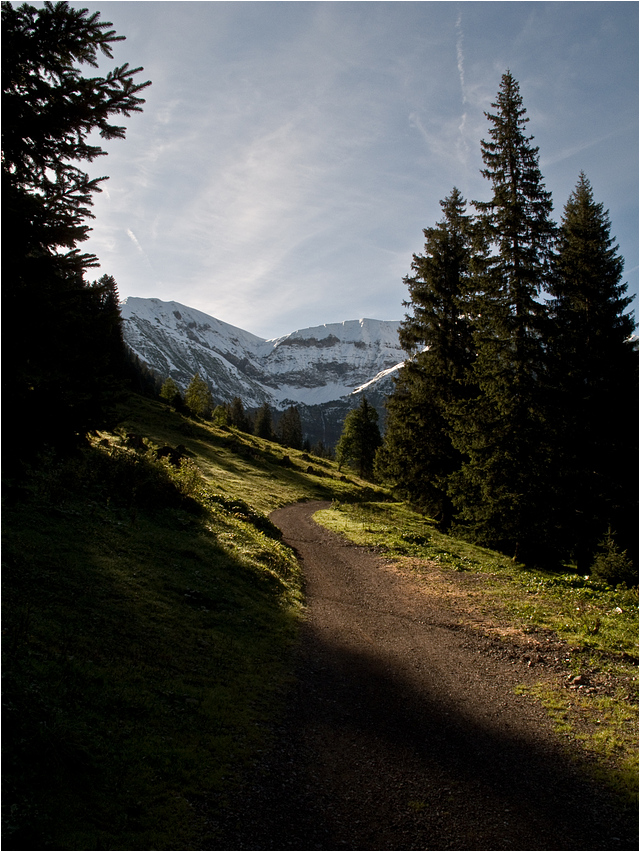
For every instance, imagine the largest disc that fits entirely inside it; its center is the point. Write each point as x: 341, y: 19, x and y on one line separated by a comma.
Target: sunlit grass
x: 599, y: 625
x: 584, y: 612
x: 605, y: 726
x: 242, y: 466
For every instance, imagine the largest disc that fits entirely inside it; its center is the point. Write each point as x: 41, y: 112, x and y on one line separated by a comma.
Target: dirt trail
x: 402, y: 735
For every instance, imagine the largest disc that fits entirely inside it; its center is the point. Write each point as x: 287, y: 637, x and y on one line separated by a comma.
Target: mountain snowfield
x: 322, y: 369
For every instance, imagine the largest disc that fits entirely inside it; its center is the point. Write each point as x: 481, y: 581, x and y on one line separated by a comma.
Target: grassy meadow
x: 149, y: 616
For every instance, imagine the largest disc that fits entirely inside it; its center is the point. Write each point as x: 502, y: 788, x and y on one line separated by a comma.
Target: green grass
x: 149, y: 613
x: 606, y: 728
x: 238, y: 465
x: 586, y: 613
x: 149, y: 616
x: 597, y: 623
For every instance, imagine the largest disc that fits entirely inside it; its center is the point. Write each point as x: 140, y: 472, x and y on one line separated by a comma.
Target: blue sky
x: 290, y: 154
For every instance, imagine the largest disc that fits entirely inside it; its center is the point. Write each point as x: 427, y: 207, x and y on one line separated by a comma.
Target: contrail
x: 460, y: 58
x: 460, y: 55
x: 136, y: 243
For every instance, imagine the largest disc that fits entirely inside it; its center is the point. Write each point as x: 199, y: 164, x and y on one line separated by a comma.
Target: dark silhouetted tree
x: 594, y: 377
x: 502, y: 488
x: 290, y: 428
x: 418, y: 456
x: 263, y: 425
x: 360, y: 439
x: 52, y: 115
x: 238, y: 416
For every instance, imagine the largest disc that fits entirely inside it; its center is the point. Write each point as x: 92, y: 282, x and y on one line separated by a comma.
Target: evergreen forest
x: 514, y: 419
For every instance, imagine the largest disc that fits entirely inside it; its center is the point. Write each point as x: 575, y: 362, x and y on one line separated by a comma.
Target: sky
x: 290, y: 154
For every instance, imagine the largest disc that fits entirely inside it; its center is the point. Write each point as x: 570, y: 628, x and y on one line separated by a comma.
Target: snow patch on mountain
x: 384, y: 374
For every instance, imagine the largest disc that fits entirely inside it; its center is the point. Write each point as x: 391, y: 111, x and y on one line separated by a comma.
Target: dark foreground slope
x: 148, y: 613
x: 151, y: 627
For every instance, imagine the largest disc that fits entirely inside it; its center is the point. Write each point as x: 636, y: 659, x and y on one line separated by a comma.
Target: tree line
x: 197, y: 400
x: 514, y: 418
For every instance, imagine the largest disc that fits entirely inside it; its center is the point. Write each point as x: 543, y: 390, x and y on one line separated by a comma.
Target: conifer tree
x: 360, y: 439
x: 501, y: 488
x: 103, y: 371
x: 238, y: 416
x: 290, y: 428
x: 50, y: 113
x: 418, y: 456
x: 593, y: 373
x: 263, y: 426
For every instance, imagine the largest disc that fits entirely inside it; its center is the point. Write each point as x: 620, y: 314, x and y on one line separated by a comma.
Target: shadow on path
x: 399, y: 737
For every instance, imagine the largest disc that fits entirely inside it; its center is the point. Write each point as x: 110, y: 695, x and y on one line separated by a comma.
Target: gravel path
x: 401, y: 734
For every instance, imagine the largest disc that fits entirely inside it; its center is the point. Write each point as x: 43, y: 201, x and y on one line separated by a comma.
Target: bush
x: 612, y: 564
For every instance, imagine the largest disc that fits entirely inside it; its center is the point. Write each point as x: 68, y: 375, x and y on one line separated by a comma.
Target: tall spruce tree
x: 99, y: 337
x: 263, y: 426
x: 290, y: 428
x: 418, y: 456
x: 360, y: 439
x: 593, y: 371
x: 50, y: 114
x: 501, y: 487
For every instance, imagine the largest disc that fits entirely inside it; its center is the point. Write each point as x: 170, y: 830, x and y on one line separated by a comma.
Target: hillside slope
x: 148, y: 615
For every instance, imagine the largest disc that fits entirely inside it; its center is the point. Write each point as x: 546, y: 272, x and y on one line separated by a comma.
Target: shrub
x: 612, y: 564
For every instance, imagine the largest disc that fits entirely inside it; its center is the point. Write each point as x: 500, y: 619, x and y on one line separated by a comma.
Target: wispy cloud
x: 289, y: 155
x: 460, y: 55
x: 462, y: 141
x: 570, y: 151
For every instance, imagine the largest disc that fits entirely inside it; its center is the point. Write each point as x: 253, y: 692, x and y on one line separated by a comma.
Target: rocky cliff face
x: 322, y: 370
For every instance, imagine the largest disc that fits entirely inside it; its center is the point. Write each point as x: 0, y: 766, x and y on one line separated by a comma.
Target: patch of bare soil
x: 404, y: 730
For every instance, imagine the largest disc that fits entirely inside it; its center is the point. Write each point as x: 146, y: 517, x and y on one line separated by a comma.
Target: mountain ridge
x: 322, y: 369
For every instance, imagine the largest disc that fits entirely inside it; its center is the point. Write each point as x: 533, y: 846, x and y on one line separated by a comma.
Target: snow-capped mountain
x: 322, y: 369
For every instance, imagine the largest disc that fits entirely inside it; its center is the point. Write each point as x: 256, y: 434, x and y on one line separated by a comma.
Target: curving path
x: 402, y: 735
